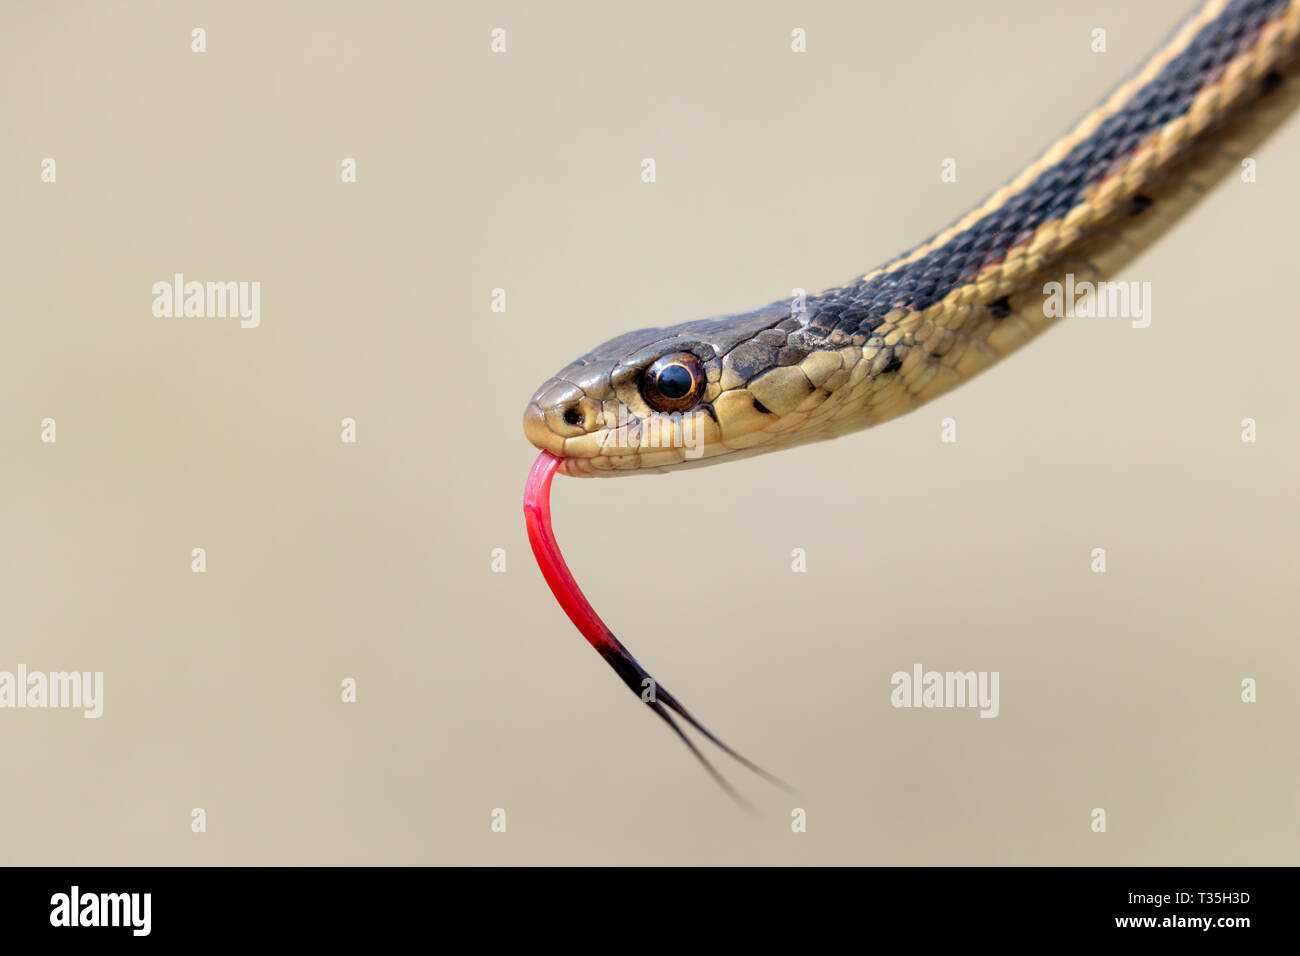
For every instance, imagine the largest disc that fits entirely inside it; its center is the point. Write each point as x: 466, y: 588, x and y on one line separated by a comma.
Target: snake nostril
x: 573, y: 416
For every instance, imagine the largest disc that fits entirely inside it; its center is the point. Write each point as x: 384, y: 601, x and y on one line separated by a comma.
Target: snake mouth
x: 589, y: 443
x: 598, y: 452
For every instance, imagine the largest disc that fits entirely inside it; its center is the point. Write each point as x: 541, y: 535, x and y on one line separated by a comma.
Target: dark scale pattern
x: 859, y: 308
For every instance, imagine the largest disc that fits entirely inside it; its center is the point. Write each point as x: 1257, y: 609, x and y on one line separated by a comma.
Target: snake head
x: 666, y: 398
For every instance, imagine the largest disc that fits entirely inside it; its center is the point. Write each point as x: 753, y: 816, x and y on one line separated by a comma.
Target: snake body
x: 859, y: 354
x: 808, y: 369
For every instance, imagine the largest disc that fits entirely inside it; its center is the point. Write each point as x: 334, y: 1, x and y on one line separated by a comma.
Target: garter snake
x: 812, y: 368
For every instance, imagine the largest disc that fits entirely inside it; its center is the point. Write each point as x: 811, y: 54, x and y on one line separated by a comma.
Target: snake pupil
x: 675, y: 381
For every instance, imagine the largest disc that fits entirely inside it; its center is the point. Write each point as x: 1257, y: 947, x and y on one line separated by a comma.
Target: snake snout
x: 558, y: 413
x: 539, y: 433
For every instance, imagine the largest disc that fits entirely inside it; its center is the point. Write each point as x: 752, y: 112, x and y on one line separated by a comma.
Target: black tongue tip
x: 665, y: 705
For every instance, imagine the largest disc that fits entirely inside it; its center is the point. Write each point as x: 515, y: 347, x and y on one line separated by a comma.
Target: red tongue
x: 537, y: 515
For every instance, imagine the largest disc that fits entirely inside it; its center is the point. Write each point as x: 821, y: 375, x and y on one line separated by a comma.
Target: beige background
x: 372, y: 560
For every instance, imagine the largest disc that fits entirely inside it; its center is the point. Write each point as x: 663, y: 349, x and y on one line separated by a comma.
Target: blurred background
x: 373, y: 561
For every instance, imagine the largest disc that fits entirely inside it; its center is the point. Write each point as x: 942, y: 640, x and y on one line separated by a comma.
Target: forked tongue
x: 537, y: 515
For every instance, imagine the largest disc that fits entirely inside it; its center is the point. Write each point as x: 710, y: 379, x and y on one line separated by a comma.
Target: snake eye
x: 674, y: 383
